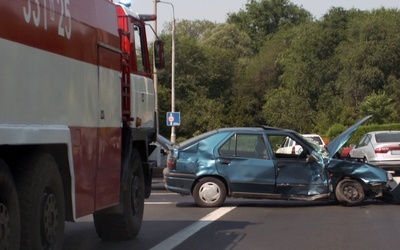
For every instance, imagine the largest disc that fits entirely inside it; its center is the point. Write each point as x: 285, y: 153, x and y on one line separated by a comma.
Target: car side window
x: 363, y: 141
x: 292, y: 150
x: 367, y: 140
x: 245, y: 145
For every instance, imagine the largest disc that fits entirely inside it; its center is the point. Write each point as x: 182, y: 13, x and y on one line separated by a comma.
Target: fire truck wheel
x: 123, y: 222
x: 9, y: 210
x: 41, y: 197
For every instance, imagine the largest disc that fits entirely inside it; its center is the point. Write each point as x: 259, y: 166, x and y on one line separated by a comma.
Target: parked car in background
x: 315, y: 138
x: 247, y: 163
x: 379, y: 148
x: 289, y: 146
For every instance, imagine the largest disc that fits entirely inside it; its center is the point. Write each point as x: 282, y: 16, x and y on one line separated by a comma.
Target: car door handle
x: 282, y: 165
x: 225, y: 161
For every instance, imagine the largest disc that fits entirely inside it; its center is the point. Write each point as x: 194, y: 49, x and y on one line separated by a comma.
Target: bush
x: 336, y: 129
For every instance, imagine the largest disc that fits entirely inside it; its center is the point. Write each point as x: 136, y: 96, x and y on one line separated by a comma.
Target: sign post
x: 173, y: 119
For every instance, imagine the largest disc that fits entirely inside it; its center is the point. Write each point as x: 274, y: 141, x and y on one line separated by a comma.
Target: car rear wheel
x: 349, y: 192
x: 209, y: 192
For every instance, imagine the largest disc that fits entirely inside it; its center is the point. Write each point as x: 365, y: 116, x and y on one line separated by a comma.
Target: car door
x: 360, y: 149
x: 295, y: 176
x: 244, y: 162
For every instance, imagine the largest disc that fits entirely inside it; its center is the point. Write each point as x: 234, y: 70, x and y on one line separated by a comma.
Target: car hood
x: 334, y: 146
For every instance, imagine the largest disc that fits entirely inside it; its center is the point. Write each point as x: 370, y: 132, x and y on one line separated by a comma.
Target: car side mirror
x: 159, y: 59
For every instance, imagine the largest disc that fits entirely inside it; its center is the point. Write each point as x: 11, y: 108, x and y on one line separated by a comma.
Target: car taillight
x: 381, y: 150
x: 171, y: 162
x: 293, y: 150
x: 384, y: 150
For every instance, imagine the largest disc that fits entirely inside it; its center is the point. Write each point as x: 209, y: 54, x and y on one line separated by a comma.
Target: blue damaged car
x: 247, y: 163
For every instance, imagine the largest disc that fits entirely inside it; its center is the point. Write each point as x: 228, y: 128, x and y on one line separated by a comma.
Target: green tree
x: 273, y: 64
x: 380, y: 106
x: 370, y: 54
x: 228, y: 37
x: 284, y: 108
x: 264, y: 17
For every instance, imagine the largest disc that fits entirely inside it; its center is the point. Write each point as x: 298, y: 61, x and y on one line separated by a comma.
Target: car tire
x: 365, y: 160
x: 349, y: 192
x: 209, y: 192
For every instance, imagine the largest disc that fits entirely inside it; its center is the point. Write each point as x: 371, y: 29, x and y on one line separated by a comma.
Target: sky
x: 217, y: 10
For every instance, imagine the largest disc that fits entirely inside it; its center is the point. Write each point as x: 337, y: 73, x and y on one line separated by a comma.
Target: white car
x: 379, y: 148
x: 316, y: 139
x: 289, y: 146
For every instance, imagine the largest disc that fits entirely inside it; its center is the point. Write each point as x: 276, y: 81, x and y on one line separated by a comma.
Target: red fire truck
x: 77, y: 119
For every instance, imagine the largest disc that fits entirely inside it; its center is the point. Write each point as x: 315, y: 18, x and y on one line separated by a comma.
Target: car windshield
x: 318, y: 148
x: 315, y: 139
x: 387, y: 137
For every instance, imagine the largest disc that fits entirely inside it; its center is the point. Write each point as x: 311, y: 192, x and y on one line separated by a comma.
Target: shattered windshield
x: 317, y: 148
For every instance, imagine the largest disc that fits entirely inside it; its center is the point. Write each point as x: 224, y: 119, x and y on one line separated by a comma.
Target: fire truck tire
x: 42, y: 207
x: 124, y: 221
x: 9, y: 210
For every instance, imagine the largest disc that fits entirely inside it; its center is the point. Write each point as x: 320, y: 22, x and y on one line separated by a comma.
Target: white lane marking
x: 185, y: 233
x: 164, y: 194
x: 158, y: 203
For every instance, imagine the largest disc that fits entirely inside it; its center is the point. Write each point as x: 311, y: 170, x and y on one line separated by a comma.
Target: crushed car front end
x: 377, y: 183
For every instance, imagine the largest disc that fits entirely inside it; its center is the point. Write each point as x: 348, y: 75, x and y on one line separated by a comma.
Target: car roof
x: 240, y: 129
x: 261, y: 129
x: 254, y: 129
x: 384, y: 131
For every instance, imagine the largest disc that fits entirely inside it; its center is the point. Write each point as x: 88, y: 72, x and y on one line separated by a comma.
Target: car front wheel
x: 349, y: 192
x: 209, y: 192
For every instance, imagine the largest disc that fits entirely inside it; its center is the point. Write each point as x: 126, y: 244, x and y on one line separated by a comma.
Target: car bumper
x: 387, y: 165
x: 178, y: 182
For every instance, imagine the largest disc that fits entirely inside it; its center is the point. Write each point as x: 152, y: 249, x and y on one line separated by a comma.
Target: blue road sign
x: 173, y: 118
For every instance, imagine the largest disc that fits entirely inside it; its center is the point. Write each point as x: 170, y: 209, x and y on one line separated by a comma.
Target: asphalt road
x: 174, y: 222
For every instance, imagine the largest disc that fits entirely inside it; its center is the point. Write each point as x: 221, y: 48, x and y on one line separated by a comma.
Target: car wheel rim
x: 209, y: 192
x: 351, y: 193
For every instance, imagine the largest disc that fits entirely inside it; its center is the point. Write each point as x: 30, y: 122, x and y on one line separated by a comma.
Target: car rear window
x: 387, y: 137
x: 198, y: 138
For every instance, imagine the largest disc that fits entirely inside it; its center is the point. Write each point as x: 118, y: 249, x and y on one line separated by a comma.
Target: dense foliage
x: 273, y: 64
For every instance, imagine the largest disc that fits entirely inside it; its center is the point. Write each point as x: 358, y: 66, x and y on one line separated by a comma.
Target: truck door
x: 109, y: 128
